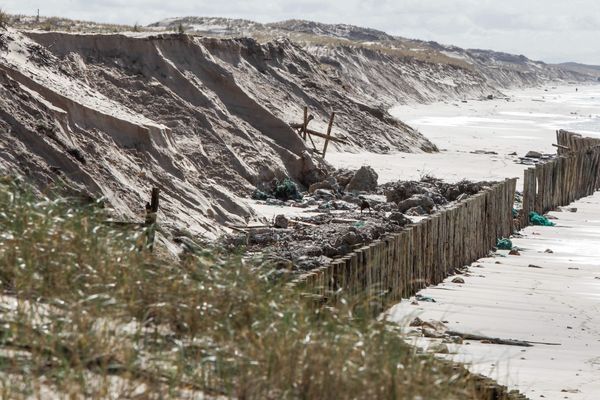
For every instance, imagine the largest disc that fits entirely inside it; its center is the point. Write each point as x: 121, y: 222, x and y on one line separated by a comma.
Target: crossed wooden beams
x: 304, y: 132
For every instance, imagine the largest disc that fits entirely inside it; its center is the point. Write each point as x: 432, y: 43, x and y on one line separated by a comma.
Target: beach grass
x: 86, y: 314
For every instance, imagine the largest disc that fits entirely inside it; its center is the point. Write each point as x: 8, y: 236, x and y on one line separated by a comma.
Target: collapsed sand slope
x: 204, y: 119
x: 63, y: 120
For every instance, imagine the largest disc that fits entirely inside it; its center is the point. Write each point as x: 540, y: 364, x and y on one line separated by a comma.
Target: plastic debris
x: 286, y: 190
x: 426, y: 299
x: 259, y: 195
x: 540, y: 220
x: 504, y: 244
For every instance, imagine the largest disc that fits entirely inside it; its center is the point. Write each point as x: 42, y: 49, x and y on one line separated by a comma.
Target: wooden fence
x: 569, y: 142
x: 423, y: 254
x: 574, y: 174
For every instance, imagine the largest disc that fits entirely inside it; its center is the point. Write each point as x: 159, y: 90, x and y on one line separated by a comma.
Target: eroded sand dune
x: 205, y: 119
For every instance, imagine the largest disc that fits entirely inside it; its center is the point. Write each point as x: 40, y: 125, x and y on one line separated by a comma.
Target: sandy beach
x: 538, y: 296
x: 503, y: 296
x: 526, y: 121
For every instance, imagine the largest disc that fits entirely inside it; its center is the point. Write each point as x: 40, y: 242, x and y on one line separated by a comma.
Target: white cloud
x: 552, y: 30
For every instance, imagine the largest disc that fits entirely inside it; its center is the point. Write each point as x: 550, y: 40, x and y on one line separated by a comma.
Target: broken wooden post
x: 561, y: 147
x: 151, y: 216
x: 328, y: 133
x: 305, y: 125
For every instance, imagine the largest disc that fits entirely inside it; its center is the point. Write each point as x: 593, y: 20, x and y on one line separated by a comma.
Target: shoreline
x: 499, y: 126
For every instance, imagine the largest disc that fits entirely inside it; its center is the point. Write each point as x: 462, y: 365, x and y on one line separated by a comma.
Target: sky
x: 548, y: 30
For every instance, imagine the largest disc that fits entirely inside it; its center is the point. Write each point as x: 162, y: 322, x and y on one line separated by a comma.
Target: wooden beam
x: 561, y: 146
x: 328, y: 133
x: 319, y: 134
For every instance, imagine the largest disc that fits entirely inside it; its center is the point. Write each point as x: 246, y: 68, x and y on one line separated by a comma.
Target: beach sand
x: 528, y: 121
x: 557, y: 303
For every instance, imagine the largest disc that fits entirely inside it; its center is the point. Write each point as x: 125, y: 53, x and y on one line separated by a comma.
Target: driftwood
x: 295, y: 221
x: 245, y: 229
x: 560, y: 146
x: 319, y: 134
x: 493, y: 340
x: 344, y: 220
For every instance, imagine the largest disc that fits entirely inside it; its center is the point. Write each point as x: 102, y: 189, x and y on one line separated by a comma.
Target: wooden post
x: 328, y: 133
x: 305, y: 125
x: 151, y: 214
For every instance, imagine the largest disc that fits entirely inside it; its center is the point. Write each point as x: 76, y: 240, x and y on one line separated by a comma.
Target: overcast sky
x: 548, y: 30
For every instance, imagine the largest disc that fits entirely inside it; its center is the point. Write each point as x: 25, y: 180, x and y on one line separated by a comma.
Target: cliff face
x: 204, y: 119
x: 418, y: 71
x: 207, y: 118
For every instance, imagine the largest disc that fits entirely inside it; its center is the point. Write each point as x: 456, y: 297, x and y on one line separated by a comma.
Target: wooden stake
x: 151, y: 216
x: 328, y: 133
x: 305, y: 125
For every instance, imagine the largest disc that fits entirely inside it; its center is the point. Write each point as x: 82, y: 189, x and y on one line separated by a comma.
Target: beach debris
x: 283, y: 190
x: 427, y: 299
x: 438, y: 330
x: 549, y: 251
x: 539, y: 220
x: 341, y: 221
x: 416, y: 211
x: 534, y: 266
x: 504, y: 244
x: 281, y: 222
x: 458, y: 280
x: 490, y: 340
x: 514, y: 252
x: 417, y: 200
x: 364, y: 180
x: 324, y: 194
x: 534, y: 154
x: 343, y: 176
x: 330, y: 183
x: 488, y: 152
x: 399, y: 218
x: 286, y: 190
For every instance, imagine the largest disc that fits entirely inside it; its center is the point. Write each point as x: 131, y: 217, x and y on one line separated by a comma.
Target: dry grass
x: 84, y: 313
x: 4, y: 19
x: 398, y: 49
x: 60, y: 24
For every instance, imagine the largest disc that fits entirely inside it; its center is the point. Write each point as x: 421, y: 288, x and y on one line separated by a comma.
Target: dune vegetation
x: 88, y: 312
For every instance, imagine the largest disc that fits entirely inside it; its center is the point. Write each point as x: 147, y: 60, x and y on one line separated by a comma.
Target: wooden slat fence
x: 423, y: 254
x: 570, y: 142
x: 574, y: 174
